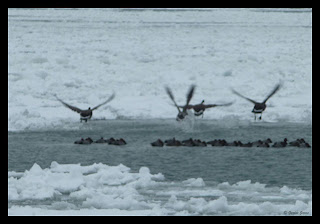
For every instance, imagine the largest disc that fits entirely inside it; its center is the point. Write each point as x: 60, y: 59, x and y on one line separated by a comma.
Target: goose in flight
x: 85, y: 114
x: 259, y: 107
x: 200, y: 108
x: 181, y: 114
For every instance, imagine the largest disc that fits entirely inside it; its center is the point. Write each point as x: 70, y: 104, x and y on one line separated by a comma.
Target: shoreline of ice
x: 99, y: 189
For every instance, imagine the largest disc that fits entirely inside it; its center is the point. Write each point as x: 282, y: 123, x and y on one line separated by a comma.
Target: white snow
x: 83, y: 55
x: 99, y: 189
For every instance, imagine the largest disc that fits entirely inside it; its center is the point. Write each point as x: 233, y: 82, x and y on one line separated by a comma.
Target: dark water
x: 288, y: 166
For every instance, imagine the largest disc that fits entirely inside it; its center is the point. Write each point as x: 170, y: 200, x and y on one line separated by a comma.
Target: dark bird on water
x: 300, y: 143
x: 281, y: 144
x: 259, y: 107
x: 82, y: 141
x: 85, y: 114
x: 200, y: 108
x: 182, y: 114
x: 158, y: 143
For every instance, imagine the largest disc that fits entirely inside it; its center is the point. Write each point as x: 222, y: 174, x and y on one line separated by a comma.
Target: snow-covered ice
x: 83, y: 55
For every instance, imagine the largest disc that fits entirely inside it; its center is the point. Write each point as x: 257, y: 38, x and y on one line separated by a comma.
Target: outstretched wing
x: 235, y: 92
x: 276, y: 88
x: 168, y: 90
x: 190, y: 94
x: 217, y: 105
x: 108, y: 100
x: 76, y: 109
x: 190, y: 106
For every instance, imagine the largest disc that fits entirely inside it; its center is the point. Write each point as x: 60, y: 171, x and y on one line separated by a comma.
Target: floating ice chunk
x: 217, y: 206
x: 243, y: 185
x: 35, y: 170
x: 194, y: 182
x: 198, y: 205
x: 174, y: 203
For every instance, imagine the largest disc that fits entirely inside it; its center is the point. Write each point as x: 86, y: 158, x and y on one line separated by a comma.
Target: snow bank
x: 99, y: 189
x: 82, y: 55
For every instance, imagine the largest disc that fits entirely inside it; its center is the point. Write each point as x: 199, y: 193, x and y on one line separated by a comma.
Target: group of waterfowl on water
x: 301, y: 143
x: 110, y: 141
x: 182, y: 110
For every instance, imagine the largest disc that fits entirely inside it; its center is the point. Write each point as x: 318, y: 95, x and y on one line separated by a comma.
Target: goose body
x: 101, y: 140
x: 172, y: 142
x: 280, y: 144
x: 86, y: 141
x: 158, y: 143
x: 201, y: 107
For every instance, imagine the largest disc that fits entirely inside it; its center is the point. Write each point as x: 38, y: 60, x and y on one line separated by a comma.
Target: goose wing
x: 190, y: 106
x: 276, y: 88
x: 217, y: 105
x: 252, y: 101
x: 169, y: 92
x: 189, y: 95
x: 76, y: 109
x: 108, y: 100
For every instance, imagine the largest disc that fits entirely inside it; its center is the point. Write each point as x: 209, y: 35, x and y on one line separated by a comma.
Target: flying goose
x: 85, y: 114
x: 259, y: 107
x: 200, y: 108
x: 182, y: 114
